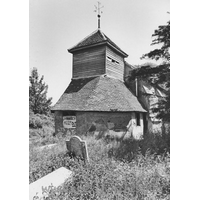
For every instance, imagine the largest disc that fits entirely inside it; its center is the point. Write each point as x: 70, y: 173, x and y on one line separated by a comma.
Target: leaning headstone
x: 77, y: 148
x: 40, y: 188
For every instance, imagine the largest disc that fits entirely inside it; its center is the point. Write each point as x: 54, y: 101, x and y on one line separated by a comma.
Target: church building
x: 97, y: 94
x: 98, y: 98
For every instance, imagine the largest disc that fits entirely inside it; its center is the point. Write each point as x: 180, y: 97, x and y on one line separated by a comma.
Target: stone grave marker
x: 77, y: 148
x: 37, y: 189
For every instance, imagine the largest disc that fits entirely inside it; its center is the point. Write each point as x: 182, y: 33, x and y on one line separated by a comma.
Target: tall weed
x: 117, y: 170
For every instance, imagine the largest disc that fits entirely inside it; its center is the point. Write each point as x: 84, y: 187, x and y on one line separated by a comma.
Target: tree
x: 159, y: 76
x: 162, y: 36
x: 38, y: 101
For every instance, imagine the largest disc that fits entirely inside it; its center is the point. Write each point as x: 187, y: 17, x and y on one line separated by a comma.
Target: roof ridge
x: 84, y: 38
x: 96, y: 38
x: 122, y: 92
x: 130, y: 65
x: 93, y: 89
x: 113, y: 43
x: 103, y: 34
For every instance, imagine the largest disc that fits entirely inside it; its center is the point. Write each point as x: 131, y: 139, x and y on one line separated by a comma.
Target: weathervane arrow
x: 98, y: 9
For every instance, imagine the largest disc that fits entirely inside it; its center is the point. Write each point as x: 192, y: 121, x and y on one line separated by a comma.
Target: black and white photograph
x: 99, y: 99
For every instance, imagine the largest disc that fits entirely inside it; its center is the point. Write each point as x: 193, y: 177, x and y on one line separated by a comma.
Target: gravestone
x: 39, y: 188
x: 77, y: 148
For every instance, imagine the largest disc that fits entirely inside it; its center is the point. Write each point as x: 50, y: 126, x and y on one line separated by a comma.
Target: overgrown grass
x: 117, y: 169
x: 41, y: 130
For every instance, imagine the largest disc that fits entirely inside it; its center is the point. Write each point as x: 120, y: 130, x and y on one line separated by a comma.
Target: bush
x: 43, y: 162
x: 41, y: 129
x: 105, y: 176
x: 39, y: 121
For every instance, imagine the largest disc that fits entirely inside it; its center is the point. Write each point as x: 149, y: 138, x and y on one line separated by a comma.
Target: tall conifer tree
x: 38, y: 101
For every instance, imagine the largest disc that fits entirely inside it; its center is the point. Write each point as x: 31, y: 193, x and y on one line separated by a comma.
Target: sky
x: 57, y: 25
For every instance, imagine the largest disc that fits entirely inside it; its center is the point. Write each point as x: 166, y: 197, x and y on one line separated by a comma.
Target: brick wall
x: 58, y: 122
x: 101, y: 120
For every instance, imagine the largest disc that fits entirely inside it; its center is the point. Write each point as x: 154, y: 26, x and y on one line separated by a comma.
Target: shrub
x: 43, y: 162
x: 105, y: 176
x: 41, y: 129
x: 39, y: 121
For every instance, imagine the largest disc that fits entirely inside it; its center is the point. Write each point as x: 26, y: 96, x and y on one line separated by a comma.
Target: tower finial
x: 98, y: 9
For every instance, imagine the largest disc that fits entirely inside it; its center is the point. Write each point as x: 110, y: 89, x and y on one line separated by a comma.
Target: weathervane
x: 98, y: 9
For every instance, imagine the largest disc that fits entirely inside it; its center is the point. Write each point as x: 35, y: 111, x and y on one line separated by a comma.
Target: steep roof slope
x: 100, y: 93
x: 96, y: 38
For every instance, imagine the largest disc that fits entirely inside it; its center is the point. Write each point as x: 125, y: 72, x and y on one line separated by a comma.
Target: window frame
x: 137, y: 116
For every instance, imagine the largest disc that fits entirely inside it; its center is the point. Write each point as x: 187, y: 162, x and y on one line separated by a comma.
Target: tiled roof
x: 130, y: 66
x: 97, y: 37
x: 100, y: 93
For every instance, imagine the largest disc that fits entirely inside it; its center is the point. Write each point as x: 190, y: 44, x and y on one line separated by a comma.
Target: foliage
x: 159, y: 76
x: 41, y: 129
x: 43, y: 162
x: 40, y: 120
x: 144, y: 176
x: 162, y: 36
x: 38, y: 101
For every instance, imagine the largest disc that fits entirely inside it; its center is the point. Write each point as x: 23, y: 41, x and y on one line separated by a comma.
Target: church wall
x: 139, y: 129
x: 58, y: 121
x: 89, y: 62
x: 103, y: 121
x: 147, y: 101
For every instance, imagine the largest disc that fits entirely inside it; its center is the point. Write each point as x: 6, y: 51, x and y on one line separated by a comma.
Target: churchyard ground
x: 117, y: 169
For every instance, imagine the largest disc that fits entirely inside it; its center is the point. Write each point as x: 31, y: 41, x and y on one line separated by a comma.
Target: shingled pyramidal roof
x: 94, y: 39
x: 99, y: 93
